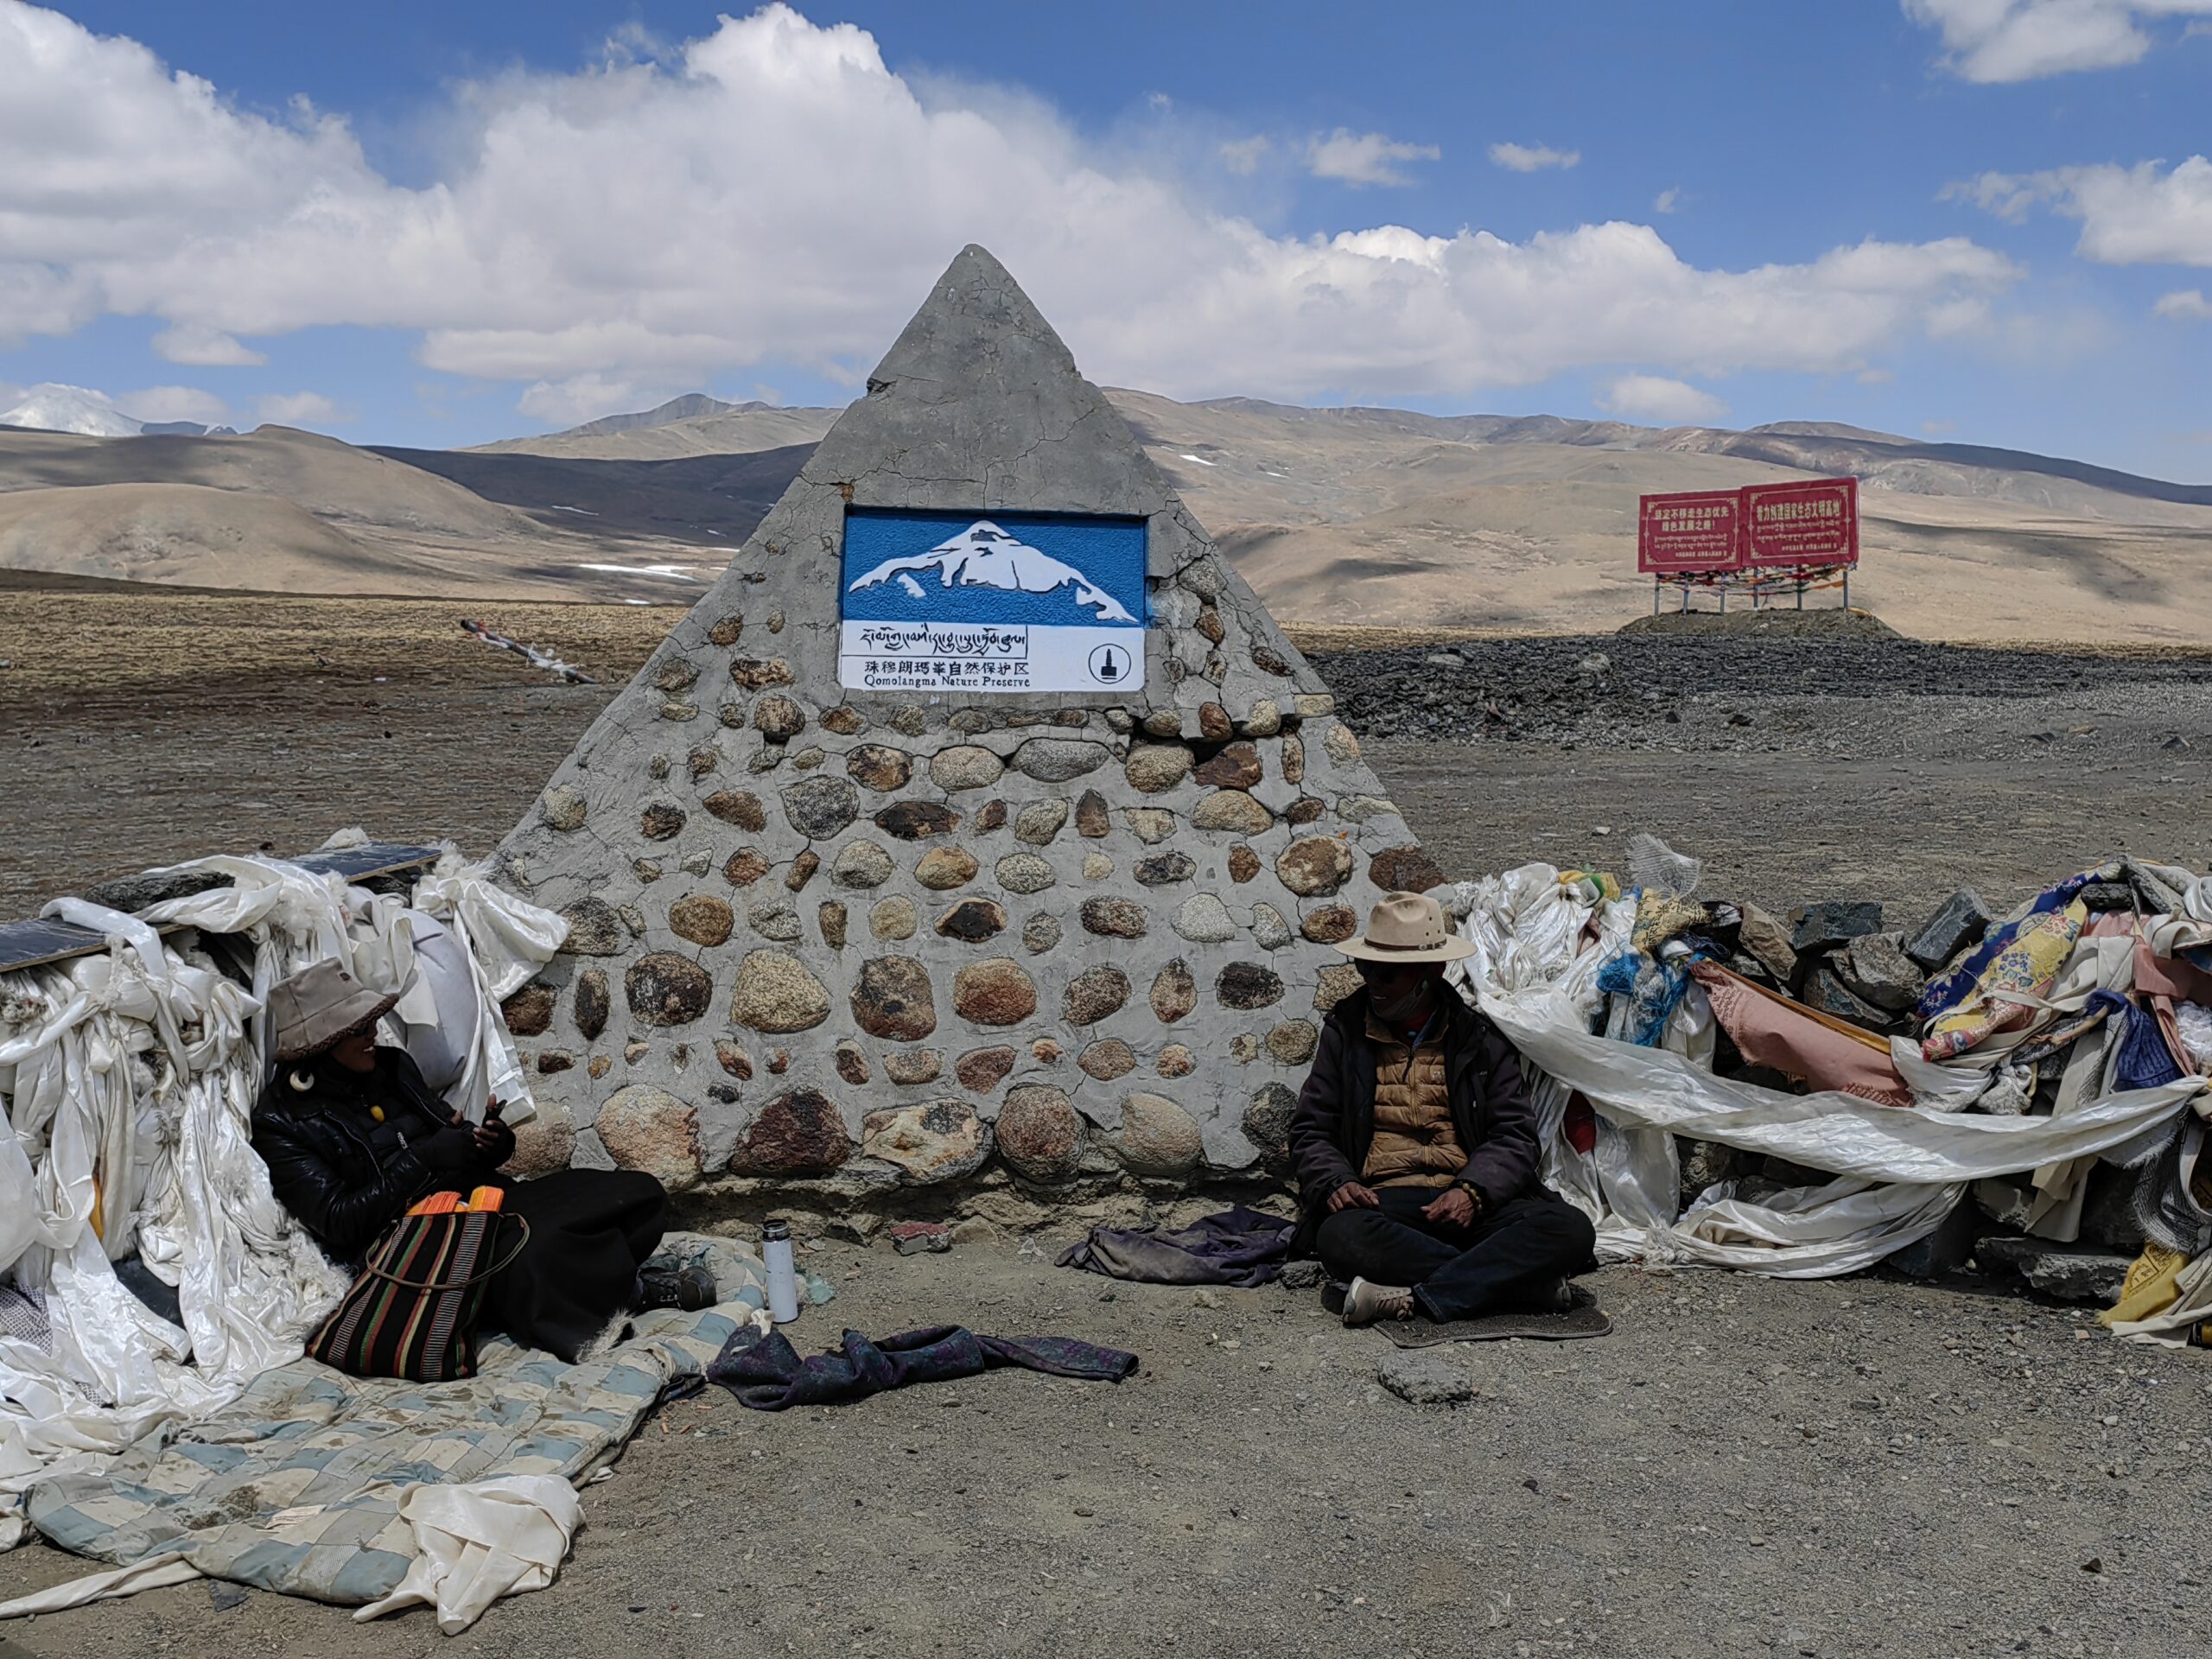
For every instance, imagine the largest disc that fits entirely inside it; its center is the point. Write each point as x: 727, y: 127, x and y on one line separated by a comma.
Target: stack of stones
x: 905, y: 941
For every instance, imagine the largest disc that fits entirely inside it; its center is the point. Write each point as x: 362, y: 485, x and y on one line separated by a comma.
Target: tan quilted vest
x: 1414, y: 1144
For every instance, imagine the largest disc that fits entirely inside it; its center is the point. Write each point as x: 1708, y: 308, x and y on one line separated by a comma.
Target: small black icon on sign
x: 1109, y: 664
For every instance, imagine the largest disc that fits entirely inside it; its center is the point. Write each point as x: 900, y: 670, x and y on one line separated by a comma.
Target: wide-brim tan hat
x: 319, y: 1006
x: 1406, y: 927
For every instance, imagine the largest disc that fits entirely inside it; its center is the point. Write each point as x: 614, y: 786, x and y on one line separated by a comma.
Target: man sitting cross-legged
x: 1415, y: 1143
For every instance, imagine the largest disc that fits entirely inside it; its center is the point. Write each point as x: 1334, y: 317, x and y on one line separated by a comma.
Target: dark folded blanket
x: 768, y: 1374
x: 1240, y: 1247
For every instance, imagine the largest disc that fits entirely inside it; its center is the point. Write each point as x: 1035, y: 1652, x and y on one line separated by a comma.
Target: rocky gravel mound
x: 1723, y: 692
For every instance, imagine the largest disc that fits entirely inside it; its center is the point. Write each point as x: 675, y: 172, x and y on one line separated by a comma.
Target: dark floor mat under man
x: 1585, y: 1319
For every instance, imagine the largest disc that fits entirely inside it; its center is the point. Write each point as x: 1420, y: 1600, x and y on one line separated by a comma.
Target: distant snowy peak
x: 983, y: 556
x: 54, y: 408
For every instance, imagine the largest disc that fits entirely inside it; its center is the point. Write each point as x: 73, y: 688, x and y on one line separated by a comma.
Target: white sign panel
x: 936, y: 602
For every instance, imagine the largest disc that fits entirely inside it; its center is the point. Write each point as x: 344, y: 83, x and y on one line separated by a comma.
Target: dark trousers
x: 590, y: 1230
x: 1510, y: 1255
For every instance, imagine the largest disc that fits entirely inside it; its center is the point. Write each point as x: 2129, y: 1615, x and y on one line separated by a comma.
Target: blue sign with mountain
x: 1007, y: 602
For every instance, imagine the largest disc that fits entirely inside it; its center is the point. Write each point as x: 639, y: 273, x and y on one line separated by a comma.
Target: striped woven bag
x: 412, y: 1314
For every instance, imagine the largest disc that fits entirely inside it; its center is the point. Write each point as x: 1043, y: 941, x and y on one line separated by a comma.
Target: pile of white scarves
x: 1900, y: 1170
x: 127, y: 1083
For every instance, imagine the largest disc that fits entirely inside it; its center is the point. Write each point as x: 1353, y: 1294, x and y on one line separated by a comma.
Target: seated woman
x: 353, y: 1136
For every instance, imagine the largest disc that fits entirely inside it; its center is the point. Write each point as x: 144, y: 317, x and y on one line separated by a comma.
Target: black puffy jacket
x: 321, y: 1145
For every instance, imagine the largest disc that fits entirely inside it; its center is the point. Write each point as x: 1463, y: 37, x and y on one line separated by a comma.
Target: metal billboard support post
x: 1655, y: 596
x: 1685, y: 597
x: 1847, y: 587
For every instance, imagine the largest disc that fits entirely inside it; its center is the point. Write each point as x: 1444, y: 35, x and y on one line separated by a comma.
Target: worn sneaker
x: 1365, y: 1302
x: 686, y: 1288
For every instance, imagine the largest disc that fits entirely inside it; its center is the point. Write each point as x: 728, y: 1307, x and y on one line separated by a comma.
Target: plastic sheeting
x: 128, y: 1081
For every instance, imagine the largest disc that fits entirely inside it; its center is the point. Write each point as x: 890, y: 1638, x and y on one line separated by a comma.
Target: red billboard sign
x: 1816, y: 523
x: 1692, y: 531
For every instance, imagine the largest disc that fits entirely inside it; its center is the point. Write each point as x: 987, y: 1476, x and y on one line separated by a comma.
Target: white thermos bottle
x: 783, y: 1283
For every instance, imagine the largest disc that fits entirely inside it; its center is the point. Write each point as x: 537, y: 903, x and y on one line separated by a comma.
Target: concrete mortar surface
x: 1745, y: 1466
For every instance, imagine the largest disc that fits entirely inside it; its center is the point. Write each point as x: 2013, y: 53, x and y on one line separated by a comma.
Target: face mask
x: 1403, y: 1006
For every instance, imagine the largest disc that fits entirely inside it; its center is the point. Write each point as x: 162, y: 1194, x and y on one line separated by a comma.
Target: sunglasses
x: 1382, y: 973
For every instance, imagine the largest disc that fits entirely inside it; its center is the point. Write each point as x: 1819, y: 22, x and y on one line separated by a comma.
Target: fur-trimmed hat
x: 320, y: 1007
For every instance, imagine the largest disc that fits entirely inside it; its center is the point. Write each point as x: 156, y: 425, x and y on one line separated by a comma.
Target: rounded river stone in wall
x: 562, y: 807
x: 1174, y: 992
x: 917, y: 820
x: 650, y: 1129
x: 666, y: 989
x: 1404, y: 869
x: 819, y: 807
x: 964, y: 765
x: 893, y: 919
x: 701, y: 917
x: 1153, y: 768
x: 1266, y: 1119
x: 528, y: 1012
x: 914, y: 1065
x: 1234, y: 810
x: 1243, y: 863
x: 1292, y: 1043
x: 861, y: 864
x: 1335, y: 984
x: 1106, y: 1059
x: 797, y: 1134
x: 662, y: 820
x: 973, y: 920
x: 1059, y: 759
x: 593, y: 1002
x: 1025, y: 872
x: 1157, y: 1137
x: 1094, y: 993
x: 1092, y: 820
x: 994, y: 992
x: 1040, y: 1134
x: 944, y: 867
x: 983, y: 1069
x: 878, y: 767
x: 930, y: 1142
x: 1040, y: 821
x: 1204, y: 919
x: 1116, y: 918
x: 739, y: 807
x: 1270, y: 931
x: 892, y: 1000
x: 1040, y: 933
x: 778, y: 719
x: 774, y: 992
x: 1176, y: 1061
x: 1238, y: 766
x: 745, y: 866
x: 1163, y: 869
x: 1248, y: 985
x: 1318, y: 865
x: 1330, y: 924
x: 755, y: 673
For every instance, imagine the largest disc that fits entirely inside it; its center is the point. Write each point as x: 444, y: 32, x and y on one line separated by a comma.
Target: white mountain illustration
x: 983, y: 556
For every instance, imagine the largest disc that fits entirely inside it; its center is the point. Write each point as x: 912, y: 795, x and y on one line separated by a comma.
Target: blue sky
x: 1973, y: 219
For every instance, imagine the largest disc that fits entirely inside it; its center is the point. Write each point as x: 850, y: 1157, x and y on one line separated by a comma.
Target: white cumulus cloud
x: 1363, y: 157
x: 175, y: 404
x: 1534, y: 158
x: 1656, y: 397
x: 2147, y: 214
x: 2026, y: 40
x: 2184, y: 305
x: 771, y: 192
x: 205, y: 348
x: 304, y: 409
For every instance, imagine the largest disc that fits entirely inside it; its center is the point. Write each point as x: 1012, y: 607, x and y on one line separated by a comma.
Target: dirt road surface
x: 1744, y: 1467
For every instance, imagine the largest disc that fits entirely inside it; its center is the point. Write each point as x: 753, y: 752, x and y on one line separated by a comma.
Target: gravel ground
x: 1743, y: 1467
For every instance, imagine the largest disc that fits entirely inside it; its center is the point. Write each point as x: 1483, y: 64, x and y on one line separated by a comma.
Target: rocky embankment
x: 1868, y: 696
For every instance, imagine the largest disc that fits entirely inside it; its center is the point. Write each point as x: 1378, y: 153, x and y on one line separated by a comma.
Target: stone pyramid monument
x: 978, y: 824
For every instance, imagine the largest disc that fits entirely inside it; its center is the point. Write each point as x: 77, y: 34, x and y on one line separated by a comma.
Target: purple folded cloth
x: 1236, y: 1246
x: 768, y: 1374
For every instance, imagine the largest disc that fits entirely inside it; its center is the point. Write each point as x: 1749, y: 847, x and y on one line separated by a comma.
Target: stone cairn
x: 852, y: 943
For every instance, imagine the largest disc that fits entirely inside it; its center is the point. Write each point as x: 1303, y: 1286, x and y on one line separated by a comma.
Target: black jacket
x: 1334, y: 1121
x: 322, y: 1165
